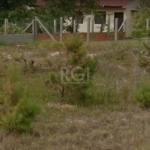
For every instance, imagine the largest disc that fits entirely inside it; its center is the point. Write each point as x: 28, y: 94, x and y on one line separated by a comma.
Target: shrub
x: 20, y: 116
x: 79, y: 69
x: 18, y: 110
x: 15, y: 29
x: 142, y: 94
x: 139, y: 33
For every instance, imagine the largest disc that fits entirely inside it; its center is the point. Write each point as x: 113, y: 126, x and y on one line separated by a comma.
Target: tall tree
x: 68, y: 8
x: 14, y: 8
x: 4, y: 4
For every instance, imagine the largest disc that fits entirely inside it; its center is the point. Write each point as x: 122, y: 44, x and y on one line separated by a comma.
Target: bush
x: 20, y: 117
x: 142, y: 94
x: 139, y: 33
x: 15, y: 29
x: 18, y: 110
x: 79, y: 69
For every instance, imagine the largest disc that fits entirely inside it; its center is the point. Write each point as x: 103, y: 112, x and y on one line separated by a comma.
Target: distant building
x: 110, y: 9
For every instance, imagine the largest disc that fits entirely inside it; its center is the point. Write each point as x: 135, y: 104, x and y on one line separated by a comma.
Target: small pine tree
x: 18, y: 110
x: 72, y: 76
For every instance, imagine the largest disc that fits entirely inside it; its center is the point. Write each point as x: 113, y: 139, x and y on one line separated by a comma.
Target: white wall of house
x: 128, y: 17
x: 130, y: 8
x: 111, y: 12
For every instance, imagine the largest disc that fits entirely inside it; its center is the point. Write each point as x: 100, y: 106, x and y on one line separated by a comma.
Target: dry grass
x: 81, y: 128
x: 122, y: 125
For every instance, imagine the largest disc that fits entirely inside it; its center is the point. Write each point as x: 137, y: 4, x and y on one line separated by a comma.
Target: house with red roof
x: 110, y: 9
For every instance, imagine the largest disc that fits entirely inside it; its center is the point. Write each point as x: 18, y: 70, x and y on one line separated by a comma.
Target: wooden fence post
x: 6, y: 26
x: 116, y: 29
x: 61, y: 29
x: 147, y: 28
x: 74, y: 26
x: 108, y: 28
x: 88, y: 30
x: 33, y: 26
x: 35, y: 29
x: 93, y: 22
x: 55, y: 26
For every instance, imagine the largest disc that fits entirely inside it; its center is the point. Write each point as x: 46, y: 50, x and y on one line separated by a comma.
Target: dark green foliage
x: 16, y: 9
x: 65, y: 8
x: 74, y: 44
x: 79, y: 93
x: 20, y: 117
x: 91, y: 63
x: 139, y: 33
x: 68, y: 8
x: 12, y: 4
x: 140, y: 17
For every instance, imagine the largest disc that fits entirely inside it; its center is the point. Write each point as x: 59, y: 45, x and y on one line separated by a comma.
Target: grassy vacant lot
x: 117, y: 122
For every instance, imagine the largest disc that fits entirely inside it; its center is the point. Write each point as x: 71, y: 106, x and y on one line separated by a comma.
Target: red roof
x: 104, y: 3
x: 40, y: 3
x: 114, y: 3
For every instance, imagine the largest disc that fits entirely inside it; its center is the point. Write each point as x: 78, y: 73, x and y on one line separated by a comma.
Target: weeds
x: 142, y: 94
x: 113, y: 122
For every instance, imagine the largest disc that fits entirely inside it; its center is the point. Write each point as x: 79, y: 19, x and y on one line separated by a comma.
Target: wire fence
x: 48, y: 24
x: 14, y: 26
x: 89, y: 28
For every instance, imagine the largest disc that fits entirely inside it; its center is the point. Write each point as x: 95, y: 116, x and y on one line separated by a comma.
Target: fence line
x: 90, y: 26
x: 37, y: 19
